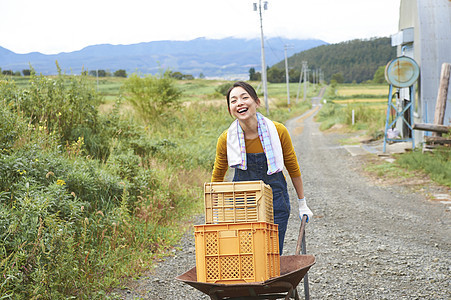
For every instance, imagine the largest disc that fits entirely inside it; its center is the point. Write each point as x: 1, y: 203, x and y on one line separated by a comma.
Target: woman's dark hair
x: 247, y: 87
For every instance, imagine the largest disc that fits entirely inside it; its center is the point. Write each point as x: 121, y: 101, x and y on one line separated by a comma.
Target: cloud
x: 53, y: 26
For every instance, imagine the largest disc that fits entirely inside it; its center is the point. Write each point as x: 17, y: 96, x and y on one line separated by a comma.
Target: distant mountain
x: 229, y: 57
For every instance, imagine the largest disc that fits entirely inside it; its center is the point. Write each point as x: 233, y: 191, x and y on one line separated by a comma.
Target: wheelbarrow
x: 293, y: 268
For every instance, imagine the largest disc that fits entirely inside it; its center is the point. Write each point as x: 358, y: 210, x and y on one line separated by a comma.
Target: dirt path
x: 370, y: 241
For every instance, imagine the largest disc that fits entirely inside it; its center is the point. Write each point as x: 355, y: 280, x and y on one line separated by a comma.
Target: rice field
x: 361, y: 100
x: 353, y: 90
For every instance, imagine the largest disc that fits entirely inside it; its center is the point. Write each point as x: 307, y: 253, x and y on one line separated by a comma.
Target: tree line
x: 350, y: 61
x: 103, y: 73
x: 95, y: 73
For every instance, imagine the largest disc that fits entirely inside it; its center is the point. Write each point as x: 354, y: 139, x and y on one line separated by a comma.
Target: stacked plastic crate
x: 239, y: 242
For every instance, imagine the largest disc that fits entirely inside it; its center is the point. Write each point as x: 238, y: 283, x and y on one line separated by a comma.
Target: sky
x: 54, y: 26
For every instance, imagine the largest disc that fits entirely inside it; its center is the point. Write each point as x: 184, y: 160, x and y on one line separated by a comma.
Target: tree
x: 7, y: 72
x: 97, y: 73
x: 379, y: 75
x: 26, y: 72
x: 177, y: 75
x: 180, y: 76
x: 276, y: 75
x: 201, y: 75
x: 120, y: 73
x: 254, y: 76
x: 338, y: 77
x: 152, y: 96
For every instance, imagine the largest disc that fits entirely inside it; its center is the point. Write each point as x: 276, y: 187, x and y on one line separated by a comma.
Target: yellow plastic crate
x: 237, y: 252
x: 236, y: 202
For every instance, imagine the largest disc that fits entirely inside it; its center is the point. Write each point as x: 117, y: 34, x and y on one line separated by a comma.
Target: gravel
x: 370, y: 241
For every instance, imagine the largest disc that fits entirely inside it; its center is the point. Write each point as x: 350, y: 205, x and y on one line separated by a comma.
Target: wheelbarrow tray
x: 292, y: 269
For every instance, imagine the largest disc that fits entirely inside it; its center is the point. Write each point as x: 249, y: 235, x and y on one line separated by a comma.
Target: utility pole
x: 304, y: 67
x: 287, y: 77
x: 299, y: 85
x: 264, y: 79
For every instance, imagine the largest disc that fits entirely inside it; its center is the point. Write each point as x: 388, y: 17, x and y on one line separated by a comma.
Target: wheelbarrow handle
x: 301, y: 247
x: 301, y: 236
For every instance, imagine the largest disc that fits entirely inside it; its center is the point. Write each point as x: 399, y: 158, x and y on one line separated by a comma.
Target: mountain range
x: 223, y: 58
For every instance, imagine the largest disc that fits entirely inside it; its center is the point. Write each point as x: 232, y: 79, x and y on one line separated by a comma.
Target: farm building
x: 425, y: 36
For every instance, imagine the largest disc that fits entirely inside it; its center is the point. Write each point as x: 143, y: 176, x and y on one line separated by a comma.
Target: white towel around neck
x: 234, y: 155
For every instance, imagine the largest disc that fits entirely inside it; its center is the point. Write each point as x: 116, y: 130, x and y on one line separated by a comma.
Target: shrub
x: 12, y: 127
x: 224, y: 88
x: 152, y: 96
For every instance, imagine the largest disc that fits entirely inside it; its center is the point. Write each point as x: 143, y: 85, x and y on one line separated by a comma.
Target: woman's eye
x: 233, y: 101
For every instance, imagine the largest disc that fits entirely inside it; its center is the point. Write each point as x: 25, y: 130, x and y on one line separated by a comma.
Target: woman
x: 258, y: 149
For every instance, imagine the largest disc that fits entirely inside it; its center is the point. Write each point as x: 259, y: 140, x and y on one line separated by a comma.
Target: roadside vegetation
x: 368, y: 103
x: 94, y: 185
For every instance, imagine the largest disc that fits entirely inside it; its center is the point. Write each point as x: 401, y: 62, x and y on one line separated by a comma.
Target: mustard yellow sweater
x: 255, y: 146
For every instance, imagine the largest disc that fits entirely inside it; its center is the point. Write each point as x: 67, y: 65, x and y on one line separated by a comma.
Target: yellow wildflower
x: 60, y: 182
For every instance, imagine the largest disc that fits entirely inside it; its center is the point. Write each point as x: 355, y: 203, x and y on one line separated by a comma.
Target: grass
x: 369, y: 103
x: 436, y: 164
x: 414, y: 168
x: 388, y: 170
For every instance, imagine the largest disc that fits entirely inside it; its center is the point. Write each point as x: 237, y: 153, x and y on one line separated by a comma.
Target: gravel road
x: 370, y: 241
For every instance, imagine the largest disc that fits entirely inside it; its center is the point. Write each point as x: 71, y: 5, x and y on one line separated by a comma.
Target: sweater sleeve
x: 289, y: 155
x: 221, y: 166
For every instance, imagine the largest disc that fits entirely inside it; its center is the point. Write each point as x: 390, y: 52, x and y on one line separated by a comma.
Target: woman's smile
x: 242, y: 110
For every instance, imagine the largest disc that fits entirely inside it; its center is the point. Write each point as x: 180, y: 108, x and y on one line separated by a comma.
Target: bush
x: 152, y: 96
x: 224, y: 88
x: 61, y: 105
x: 66, y: 222
x: 12, y: 127
x: 67, y: 219
x: 120, y: 73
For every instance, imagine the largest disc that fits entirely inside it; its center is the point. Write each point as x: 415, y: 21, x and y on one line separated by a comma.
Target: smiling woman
x: 258, y: 149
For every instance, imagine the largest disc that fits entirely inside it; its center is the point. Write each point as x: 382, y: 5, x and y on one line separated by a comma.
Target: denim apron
x: 257, y: 168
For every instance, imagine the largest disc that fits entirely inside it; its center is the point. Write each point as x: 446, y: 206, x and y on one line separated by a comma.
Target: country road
x: 370, y: 241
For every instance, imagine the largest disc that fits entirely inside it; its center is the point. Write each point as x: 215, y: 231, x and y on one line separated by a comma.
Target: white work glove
x: 304, y: 210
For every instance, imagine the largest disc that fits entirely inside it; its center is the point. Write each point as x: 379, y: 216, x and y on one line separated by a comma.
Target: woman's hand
x: 304, y: 210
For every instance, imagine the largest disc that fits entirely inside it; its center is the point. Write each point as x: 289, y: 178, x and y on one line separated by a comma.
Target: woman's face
x: 242, y: 106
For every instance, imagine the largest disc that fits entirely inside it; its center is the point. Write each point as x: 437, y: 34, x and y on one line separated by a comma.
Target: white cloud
x: 52, y: 26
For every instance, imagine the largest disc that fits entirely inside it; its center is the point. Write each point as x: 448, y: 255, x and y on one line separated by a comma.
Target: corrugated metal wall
x: 431, y: 21
x: 434, y: 18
